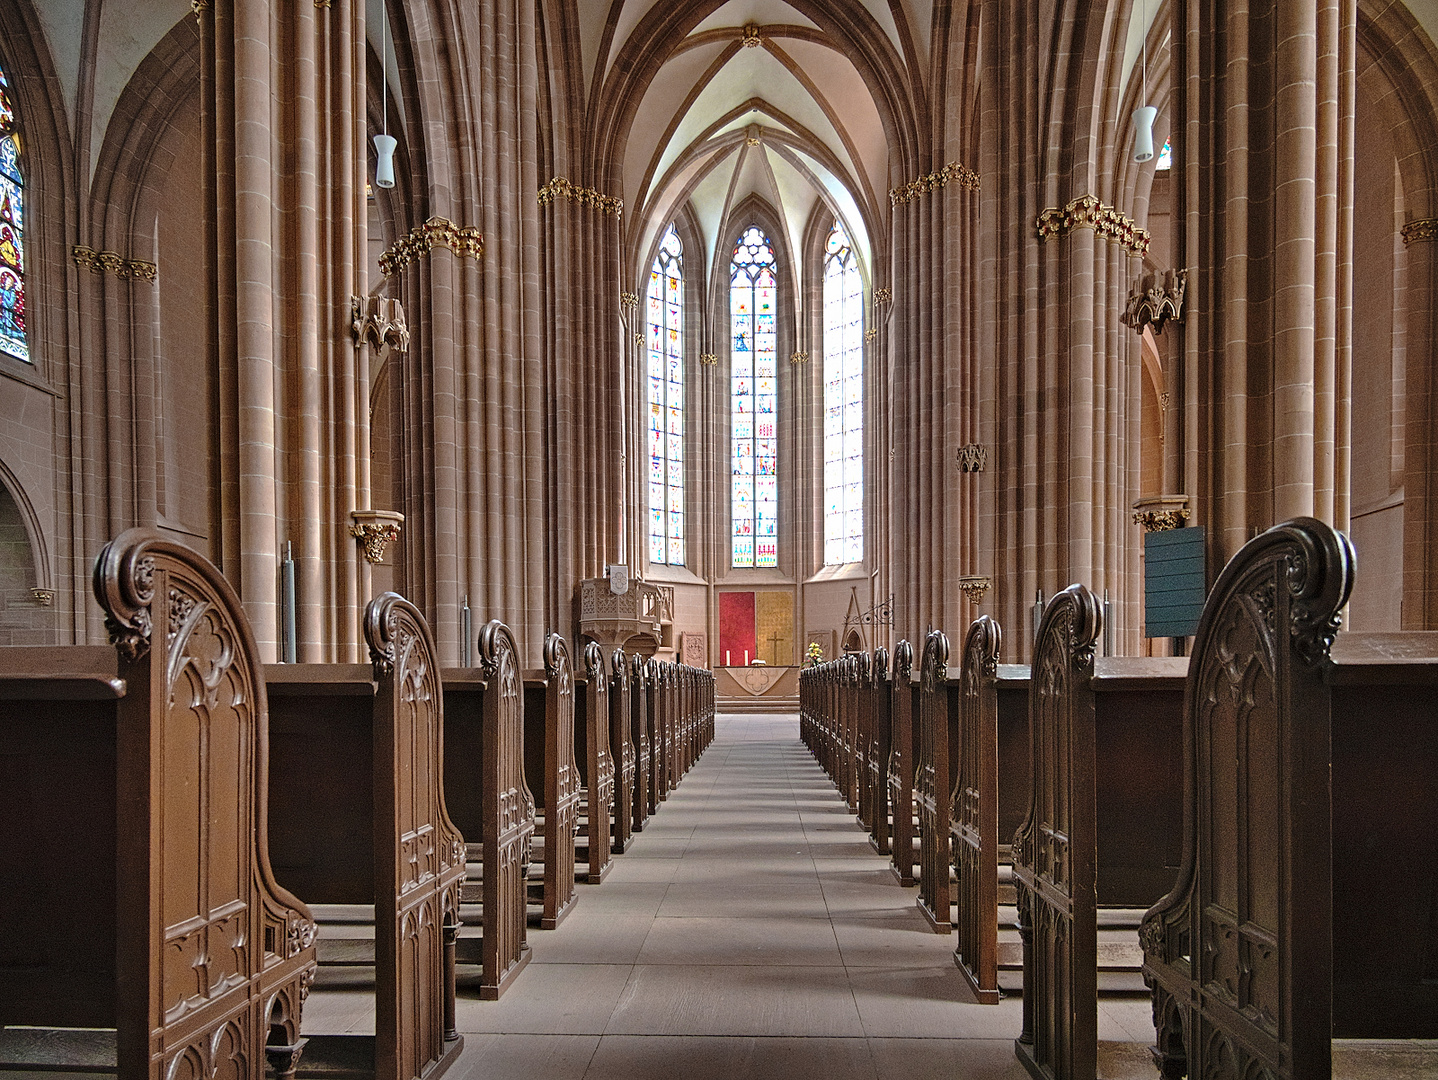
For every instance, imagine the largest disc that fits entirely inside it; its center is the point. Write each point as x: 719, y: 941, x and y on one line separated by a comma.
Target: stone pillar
x: 283, y: 91
x: 1266, y: 163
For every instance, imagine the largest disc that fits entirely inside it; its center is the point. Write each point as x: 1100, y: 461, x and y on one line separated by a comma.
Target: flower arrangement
x: 814, y: 655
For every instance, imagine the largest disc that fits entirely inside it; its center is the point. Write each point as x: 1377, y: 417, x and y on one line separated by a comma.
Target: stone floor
x: 751, y: 931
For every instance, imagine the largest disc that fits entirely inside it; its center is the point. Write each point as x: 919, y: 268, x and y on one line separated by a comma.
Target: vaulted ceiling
x: 755, y: 100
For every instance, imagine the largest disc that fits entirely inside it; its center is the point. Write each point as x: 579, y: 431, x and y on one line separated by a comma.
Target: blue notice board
x: 1175, y: 584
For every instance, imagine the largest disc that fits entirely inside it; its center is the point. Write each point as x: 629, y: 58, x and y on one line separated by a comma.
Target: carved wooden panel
x: 975, y: 810
x: 204, y: 932
x: 508, y: 814
x: 901, y: 764
x: 621, y: 744
x: 643, y: 754
x: 561, y: 782
x: 1239, y: 954
x: 1055, y: 850
x: 931, y: 780
x: 593, y: 732
x: 419, y: 853
x: 881, y: 706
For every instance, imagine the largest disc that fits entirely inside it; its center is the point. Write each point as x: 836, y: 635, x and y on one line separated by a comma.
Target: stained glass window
x: 754, y: 399
x: 1165, y: 157
x: 12, y: 232
x: 665, y: 319
x: 843, y: 402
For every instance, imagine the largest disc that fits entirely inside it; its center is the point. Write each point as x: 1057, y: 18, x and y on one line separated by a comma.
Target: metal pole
x: 287, y: 602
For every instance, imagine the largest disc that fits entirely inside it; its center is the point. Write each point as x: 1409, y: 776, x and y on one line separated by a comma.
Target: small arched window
x: 12, y: 231
x: 843, y: 402
x: 666, y: 402
x: 754, y: 399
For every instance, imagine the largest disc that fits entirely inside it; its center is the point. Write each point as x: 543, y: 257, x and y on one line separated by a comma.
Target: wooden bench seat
x: 553, y: 778
x: 140, y: 780
x: 596, y: 767
x: 1104, y: 819
x: 360, y: 821
x: 1304, y: 908
x: 490, y: 802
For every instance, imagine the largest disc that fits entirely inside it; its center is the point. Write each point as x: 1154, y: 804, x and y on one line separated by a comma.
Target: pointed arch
x: 843, y: 401
x: 754, y: 311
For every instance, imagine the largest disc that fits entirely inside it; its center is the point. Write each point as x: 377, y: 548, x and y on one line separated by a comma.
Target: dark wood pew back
x: 489, y: 799
x: 621, y: 744
x: 552, y: 773
x: 933, y: 781
x: 881, y: 731
x: 1055, y: 851
x: 1274, y: 939
x: 975, y: 809
x: 591, y: 749
x: 639, y: 670
x: 206, y: 958
x: 357, y: 787
x: 902, y: 756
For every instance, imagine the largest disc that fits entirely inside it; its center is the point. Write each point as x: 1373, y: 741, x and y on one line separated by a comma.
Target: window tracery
x: 754, y: 371
x: 843, y: 402
x: 665, y: 317
x: 12, y: 231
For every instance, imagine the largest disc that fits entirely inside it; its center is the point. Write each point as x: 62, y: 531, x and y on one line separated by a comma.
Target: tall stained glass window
x: 843, y: 402
x: 12, y: 232
x: 666, y: 402
x: 753, y: 400
x: 1165, y: 157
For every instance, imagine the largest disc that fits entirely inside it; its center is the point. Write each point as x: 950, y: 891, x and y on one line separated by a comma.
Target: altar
x: 757, y: 688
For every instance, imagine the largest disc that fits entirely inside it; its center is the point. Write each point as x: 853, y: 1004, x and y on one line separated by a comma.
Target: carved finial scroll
x: 124, y: 586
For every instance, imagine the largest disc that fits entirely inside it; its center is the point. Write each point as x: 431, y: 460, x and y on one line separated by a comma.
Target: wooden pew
x: 1103, y: 820
x: 491, y: 804
x: 902, y: 758
x: 1304, y: 906
x: 141, y: 780
x: 591, y: 749
x: 639, y: 673
x: 880, y: 732
x: 861, y: 724
x: 974, y: 818
x: 621, y: 744
x: 655, y: 691
x: 553, y: 776
x: 934, y: 783
x: 357, y: 787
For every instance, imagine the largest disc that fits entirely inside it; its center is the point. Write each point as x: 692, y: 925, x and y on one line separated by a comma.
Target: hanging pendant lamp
x: 384, y: 143
x: 1144, y: 115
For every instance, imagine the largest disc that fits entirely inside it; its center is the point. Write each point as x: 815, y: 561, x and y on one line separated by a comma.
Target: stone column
x: 1266, y: 163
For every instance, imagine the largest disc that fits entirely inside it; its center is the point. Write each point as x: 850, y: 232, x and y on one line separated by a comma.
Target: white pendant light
x: 1144, y: 115
x: 385, y: 143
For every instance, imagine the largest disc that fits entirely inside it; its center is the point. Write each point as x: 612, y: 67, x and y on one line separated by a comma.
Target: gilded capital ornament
x: 111, y: 262
x: 1160, y: 513
x: 800, y: 357
x: 43, y: 597
x: 883, y: 295
x: 1424, y: 230
x: 1086, y: 212
x: 708, y: 359
x: 376, y: 530
x: 628, y: 301
x: 974, y: 588
x: 951, y: 173
x: 437, y: 232
x: 561, y: 188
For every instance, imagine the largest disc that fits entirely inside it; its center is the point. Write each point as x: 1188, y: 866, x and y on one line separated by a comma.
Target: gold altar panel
x: 774, y: 627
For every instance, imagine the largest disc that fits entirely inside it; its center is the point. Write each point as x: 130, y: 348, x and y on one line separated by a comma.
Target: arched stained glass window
x: 12, y: 231
x: 754, y: 399
x: 843, y: 402
x: 1165, y: 157
x: 666, y: 402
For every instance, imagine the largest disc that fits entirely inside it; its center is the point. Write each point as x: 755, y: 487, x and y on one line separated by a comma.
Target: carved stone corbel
x: 380, y: 321
x: 972, y: 458
x: 1155, y: 300
x: 974, y: 588
x: 376, y: 530
x: 1159, y: 513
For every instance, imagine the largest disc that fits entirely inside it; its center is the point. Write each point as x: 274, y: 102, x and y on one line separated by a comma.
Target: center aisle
x: 750, y: 931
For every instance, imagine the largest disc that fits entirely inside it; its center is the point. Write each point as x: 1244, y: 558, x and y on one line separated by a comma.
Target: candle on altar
x: 746, y: 657
x: 726, y: 659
